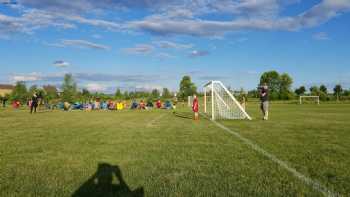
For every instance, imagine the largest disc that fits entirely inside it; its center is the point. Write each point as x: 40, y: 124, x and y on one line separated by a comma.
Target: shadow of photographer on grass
x: 107, y: 182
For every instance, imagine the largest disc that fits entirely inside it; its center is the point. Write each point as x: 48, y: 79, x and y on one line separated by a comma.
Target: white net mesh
x: 309, y: 99
x: 221, y: 104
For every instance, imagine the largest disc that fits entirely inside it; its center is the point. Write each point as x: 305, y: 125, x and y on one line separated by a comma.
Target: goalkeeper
x: 264, y: 98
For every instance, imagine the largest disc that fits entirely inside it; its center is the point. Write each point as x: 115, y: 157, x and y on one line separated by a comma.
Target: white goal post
x: 189, y: 101
x: 316, y: 98
x: 219, y: 103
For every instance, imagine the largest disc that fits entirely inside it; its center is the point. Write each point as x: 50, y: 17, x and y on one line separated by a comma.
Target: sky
x: 146, y: 44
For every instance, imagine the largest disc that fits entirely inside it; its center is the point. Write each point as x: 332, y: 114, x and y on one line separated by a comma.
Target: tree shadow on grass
x: 107, y: 182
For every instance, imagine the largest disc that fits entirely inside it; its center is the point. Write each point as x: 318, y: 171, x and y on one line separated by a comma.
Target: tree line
x: 70, y: 93
x: 322, y: 91
x: 280, y: 88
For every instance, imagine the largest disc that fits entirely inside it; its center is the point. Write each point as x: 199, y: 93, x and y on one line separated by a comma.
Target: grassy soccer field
x: 63, y: 153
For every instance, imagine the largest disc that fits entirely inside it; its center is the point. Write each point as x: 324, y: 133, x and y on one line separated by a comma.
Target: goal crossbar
x: 314, y: 97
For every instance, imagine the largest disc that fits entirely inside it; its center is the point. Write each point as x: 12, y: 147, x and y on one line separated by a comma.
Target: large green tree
x: 314, y: 91
x: 166, y: 93
x: 155, y: 94
x: 279, y: 85
x: 69, y: 89
x: 19, y: 92
x: 33, y: 89
x: 323, y: 93
x: 85, y: 95
x: 126, y: 95
x: 300, y: 91
x: 253, y: 94
x: 272, y: 79
x: 187, y: 88
x: 118, y: 94
x: 346, y: 93
x: 51, y: 92
x: 338, y: 91
x: 323, y: 89
x: 285, y: 87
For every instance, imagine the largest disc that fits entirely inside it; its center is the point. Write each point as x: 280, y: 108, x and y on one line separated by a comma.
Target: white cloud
x: 239, y: 40
x: 83, y: 6
x: 323, y: 12
x: 315, y: 16
x: 29, y: 21
x: 249, y: 7
x: 97, y: 36
x: 161, y: 26
x: 165, y: 55
x: 172, y: 45
x: 8, y: 2
x: 95, y: 82
x: 26, y: 77
x: 148, y: 87
x: 96, y: 87
x: 196, y: 53
x: 139, y: 49
x: 320, y: 36
x: 173, y: 17
x: 93, y: 22
x: 84, y: 44
x: 61, y: 64
x: 33, y: 19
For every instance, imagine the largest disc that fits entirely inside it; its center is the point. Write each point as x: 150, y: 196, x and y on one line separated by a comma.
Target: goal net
x: 219, y: 103
x: 308, y: 99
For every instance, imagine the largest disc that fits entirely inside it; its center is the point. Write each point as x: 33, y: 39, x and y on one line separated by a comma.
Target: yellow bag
x: 120, y: 106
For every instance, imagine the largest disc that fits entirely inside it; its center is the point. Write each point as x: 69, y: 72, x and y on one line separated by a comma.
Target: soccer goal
x: 219, y: 103
x: 315, y: 99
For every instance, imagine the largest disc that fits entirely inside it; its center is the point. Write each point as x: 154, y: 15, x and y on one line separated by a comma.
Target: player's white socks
x: 266, y: 117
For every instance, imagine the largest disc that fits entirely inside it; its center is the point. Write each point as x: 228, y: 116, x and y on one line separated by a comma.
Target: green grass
x: 57, y: 153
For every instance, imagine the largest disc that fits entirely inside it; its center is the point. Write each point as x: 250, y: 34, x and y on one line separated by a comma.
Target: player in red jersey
x: 195, y: 107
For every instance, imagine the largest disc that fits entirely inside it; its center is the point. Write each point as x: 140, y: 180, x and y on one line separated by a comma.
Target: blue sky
x: 149, y: 44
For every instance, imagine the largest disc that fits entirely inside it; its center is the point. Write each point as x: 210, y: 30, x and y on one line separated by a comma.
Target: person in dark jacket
x: 264, y: 99
x: 34, y: 103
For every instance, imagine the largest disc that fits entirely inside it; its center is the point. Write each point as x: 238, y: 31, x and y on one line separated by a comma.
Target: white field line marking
x: 313, y: 183
x: 151, y: 123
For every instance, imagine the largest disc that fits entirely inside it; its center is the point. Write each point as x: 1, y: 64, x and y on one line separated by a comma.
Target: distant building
x: 5, y: 89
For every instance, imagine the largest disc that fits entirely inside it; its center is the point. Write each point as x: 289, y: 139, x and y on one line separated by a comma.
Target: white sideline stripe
x: 315, y: 184
x: 150, y: 124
